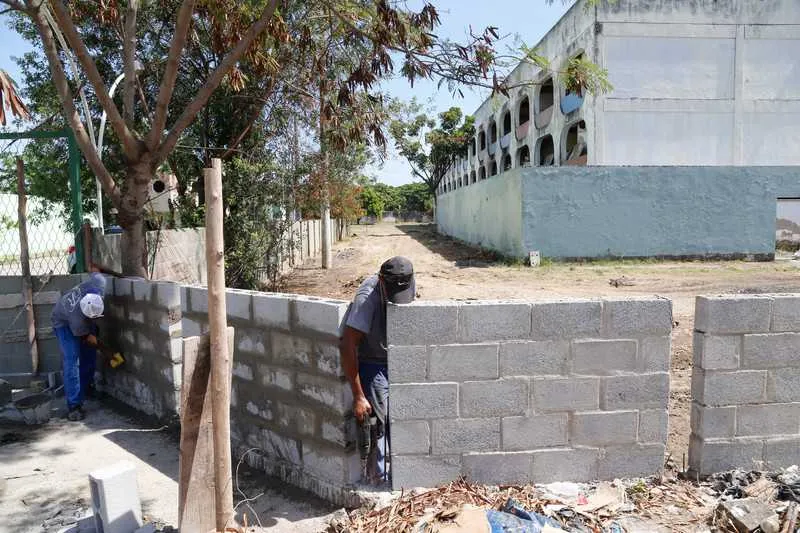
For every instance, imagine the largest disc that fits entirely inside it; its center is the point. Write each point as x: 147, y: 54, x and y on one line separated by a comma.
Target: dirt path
x: 447, y: 269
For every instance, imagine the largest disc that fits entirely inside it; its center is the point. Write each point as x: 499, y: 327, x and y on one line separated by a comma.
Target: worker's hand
x: 361, y: 408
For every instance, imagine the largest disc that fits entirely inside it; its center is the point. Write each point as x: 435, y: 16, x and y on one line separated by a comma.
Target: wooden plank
x: 196, y: 509
x: 24, y: 260
x: 221, y: 364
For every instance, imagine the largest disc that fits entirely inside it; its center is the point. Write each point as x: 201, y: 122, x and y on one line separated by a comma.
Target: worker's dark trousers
x: 375, y: 383
x: 79, y: 361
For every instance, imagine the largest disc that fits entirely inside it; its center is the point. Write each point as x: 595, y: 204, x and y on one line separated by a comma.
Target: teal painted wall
x: 570, y: 212
x: 487, y: 213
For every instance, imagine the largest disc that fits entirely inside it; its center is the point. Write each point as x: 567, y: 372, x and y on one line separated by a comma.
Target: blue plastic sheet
x: 513, y: 518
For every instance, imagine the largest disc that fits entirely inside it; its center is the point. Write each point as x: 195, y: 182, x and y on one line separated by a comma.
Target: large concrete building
x: 696, y: 83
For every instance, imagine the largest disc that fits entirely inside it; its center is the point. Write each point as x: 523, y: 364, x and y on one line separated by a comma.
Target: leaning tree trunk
x: 133, y: 242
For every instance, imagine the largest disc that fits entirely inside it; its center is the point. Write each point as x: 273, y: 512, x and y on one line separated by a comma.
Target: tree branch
x: 129, y: 62
x: 66, y: 25
x: 250, y: 121
x: 13, y: 5
x: 202, y: 97
x: 71, y: 113
x: 176, y: 47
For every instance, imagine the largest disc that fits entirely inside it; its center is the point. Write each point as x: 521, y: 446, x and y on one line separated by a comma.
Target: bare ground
x: 448, y: 269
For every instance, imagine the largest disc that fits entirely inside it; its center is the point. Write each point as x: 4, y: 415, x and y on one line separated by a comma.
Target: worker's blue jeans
x: 79, y: 360
x: 375, y: 383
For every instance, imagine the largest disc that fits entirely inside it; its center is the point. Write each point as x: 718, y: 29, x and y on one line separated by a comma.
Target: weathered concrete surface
x: 47, y: 470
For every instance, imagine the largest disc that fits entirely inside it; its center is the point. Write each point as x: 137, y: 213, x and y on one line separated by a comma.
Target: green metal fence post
x: 74, y: 170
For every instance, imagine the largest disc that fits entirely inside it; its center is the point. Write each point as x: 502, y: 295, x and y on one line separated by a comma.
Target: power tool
x: 367, y: 436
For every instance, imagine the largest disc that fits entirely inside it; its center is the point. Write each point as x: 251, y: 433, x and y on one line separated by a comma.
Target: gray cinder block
x: 718, y: 388
x: 603, y: 357
x: 330, y: 465
x: 774, y: 350
x: 767, y: 420
x: 534, y: 358
x: 783, y: 385
x: 535, y: 431
x: 653, y: 426
x: 498, y: 468
x: 504, y: 397
x: 238, y: 304
x: 732, y: 314
x: 422, y: 323
x: 465, y: 435
x: 168, y: 295
x: 323, y: 316
x: 483, y: 322
x: 566, y: 394
x: 642, y: 391
x: 570, y: 464
x: 566, y: 320
x: 633, y: 460
x: 115, y: 498
x: 781, y: 452
x: 655, y: 354
x: 410, y: 471
x: 198, y: 299
x: 720, y: 455
x: 716, y: 352
x: 637, y: 317
x: 413, y: 436
x: 142, y: 290
x: 785, y: 313
x: 602, y: 428
x: 460, y: 362
x: 408, y: 363
x: 713, y: 422
x: 423, y: 400
x: 271, y: 310
x: 331, y: 393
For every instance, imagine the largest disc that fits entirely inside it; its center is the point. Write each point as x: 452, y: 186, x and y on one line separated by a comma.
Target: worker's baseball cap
x: 92, y: 305
x: 398, y: 278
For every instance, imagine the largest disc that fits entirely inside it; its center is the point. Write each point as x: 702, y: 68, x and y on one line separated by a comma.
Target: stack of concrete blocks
x: 514, y: 392
x: 143, y: 321
x: 15, y: 363
x: 291, y: 406
x: 745, y: 383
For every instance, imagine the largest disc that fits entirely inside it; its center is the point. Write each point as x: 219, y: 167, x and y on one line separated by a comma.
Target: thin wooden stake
x: 25, y: 264
x: 220, y: 357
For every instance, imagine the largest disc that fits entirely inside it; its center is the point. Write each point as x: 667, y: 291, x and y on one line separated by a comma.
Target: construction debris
x: 621, y: 282
x: 733, y: 502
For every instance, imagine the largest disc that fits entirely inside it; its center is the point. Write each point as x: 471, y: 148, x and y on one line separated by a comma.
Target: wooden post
x: 196, y: 471
x: 25, y: 264
x: 220, y: 357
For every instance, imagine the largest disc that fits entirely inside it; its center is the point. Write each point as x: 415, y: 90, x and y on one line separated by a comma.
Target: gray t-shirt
x: 367, y: 314
x: 67, y: 311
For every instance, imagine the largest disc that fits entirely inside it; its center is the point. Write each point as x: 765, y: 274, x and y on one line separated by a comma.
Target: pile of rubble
x: 735, y: 501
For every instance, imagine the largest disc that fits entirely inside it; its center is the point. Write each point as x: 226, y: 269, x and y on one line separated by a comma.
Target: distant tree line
x: 378, y: 198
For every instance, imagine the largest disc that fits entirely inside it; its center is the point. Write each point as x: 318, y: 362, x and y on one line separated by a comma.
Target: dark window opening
x: 575, y: 149
x: 507, y: 123
x: 524, y: 156
x: 472, y: 147
x: 482, y: 173
x: 507, y: 162
x: 524, y: 111
x: 482, y: 138
x: 493, y: 171
x: 472, y: 177
x: 546, y: 95
x: 546, y: 151
x: 493, y: 133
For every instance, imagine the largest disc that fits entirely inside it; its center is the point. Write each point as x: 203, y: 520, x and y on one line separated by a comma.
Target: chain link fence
x: 50, y: 240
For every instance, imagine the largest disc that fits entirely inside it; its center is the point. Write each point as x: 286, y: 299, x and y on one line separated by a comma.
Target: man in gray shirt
x: 363, y: 348
x: 74, y: 325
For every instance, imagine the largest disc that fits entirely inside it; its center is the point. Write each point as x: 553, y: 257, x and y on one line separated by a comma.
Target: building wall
x: 487, y: 214
x: 745, y: 383
x: 699, y: 83
x: 15, y: 359
x: 512, y: 392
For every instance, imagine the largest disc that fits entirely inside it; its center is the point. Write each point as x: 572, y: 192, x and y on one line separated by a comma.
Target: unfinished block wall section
x: 291, y: 406
x: 745, y: 383
x: 143, y: 321
x: 15, y: 359
x: 514, y: 392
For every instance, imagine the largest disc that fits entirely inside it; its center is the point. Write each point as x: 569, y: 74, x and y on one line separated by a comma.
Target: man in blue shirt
x: 74, y: 325
x: 363, y: 349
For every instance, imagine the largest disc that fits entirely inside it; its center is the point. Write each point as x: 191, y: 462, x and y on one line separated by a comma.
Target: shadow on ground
x: 462, y: 255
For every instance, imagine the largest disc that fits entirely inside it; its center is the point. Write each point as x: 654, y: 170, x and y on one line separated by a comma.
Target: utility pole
x: 325, y: 192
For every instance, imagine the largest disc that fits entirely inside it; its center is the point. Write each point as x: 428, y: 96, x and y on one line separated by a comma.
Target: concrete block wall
x: 291, y: 406
x: 745, y: 383
x: 143, y: 321
x: 514, y: 392
x: 15, y: 359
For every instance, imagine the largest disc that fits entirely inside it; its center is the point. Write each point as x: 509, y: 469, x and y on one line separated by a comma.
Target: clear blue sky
x: 529, y: 19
